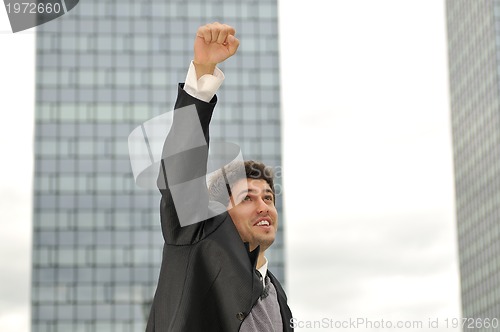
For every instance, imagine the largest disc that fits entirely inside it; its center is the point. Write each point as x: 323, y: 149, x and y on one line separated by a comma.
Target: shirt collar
x: 263, y: 270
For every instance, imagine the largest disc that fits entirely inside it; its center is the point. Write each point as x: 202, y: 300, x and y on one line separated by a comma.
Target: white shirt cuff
x: 204, y: 88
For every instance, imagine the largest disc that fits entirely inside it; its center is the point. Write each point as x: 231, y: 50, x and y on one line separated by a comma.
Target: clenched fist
x: 214, y: 43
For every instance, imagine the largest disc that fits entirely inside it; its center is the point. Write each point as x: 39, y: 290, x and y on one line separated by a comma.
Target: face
x: 255, y: 216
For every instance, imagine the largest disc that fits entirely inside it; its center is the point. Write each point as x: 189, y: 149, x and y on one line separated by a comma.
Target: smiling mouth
x: 263, y: 223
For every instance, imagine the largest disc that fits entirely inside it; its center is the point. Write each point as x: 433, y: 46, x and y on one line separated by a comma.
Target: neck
x: 260, y: 260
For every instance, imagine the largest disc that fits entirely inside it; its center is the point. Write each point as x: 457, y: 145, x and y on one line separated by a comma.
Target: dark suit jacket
x: 208, y: 281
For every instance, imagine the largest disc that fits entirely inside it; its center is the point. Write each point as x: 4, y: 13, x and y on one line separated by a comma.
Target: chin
x: 266, y: 243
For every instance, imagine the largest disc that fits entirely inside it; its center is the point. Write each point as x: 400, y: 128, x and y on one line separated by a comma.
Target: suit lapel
x: 257, y: 287
x: 286, y: 314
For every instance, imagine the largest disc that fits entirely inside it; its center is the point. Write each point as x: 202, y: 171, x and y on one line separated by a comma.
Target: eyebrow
x: 269, y: 191
x: 252, y: 191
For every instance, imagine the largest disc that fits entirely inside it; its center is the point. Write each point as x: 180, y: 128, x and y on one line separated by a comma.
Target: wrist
x: 204, y: 68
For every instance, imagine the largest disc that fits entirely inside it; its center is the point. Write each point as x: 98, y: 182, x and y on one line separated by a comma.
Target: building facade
x: 474, y: 53
x: 102, y: 70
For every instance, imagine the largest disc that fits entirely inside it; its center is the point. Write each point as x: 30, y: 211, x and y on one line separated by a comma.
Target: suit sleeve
x: 182, y: 175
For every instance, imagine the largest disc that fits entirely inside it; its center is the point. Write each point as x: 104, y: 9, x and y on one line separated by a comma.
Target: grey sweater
x: 265, y: 315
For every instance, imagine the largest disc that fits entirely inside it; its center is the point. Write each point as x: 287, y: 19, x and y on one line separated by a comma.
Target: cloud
x: 14, y: 320
x: 15, y: 251
x: 395, y: 266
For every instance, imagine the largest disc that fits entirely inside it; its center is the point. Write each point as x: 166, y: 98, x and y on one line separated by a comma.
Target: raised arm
x: 183, y: 166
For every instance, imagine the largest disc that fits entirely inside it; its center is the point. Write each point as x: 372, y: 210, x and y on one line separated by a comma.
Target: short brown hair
x: 219, y: 187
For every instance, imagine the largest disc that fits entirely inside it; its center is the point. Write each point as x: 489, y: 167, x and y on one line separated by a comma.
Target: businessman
x: 214, y: 275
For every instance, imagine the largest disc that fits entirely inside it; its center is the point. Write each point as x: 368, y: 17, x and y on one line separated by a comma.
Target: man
x: 214, y: 275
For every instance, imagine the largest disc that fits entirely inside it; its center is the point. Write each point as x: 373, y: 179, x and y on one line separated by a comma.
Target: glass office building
x: 474, y: 54
x: 103, y: 69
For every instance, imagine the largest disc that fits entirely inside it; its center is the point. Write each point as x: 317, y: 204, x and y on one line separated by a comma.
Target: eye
x: 269, y: 198
x: 247, y: 198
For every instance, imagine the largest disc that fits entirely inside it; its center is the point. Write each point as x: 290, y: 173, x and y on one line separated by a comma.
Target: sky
x: 367, y: 165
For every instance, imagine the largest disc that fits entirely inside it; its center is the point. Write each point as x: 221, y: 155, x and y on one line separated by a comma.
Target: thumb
x: 233, y: 44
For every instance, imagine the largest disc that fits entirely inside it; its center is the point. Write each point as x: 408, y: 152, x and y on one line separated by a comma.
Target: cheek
x: 275, y: 216
x: 274, y: 212
x: 238, y: 215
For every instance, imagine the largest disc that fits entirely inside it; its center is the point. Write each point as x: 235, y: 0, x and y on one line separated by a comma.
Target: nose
x: 262, y: 207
